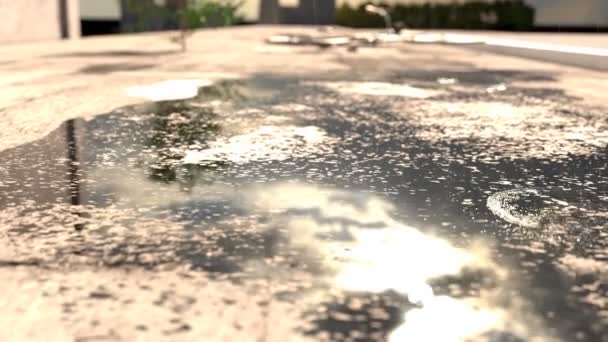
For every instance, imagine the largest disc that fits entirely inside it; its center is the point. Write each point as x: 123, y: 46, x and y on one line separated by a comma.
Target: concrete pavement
x: 334, y: 195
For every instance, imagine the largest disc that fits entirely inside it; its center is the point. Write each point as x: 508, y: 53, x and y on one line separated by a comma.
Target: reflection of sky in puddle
x: 368, y: 257
x: 460, y: 321
x: 379, y: 89
x: 360, y: 248
x: 368, y: 251
x: 265, y: 143
x: 357, y: 246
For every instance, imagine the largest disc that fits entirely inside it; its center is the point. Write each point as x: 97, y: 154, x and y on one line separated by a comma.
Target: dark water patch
x: 114, y: 53
x: 358, y: 317
x: 104, y: 69
x: 479, y: 77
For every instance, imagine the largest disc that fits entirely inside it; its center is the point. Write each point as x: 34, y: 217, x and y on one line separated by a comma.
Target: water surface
x: 407, y: 208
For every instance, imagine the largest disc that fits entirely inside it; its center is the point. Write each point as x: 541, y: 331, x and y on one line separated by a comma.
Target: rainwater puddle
x: 380, y: 89
x: 348, y: 199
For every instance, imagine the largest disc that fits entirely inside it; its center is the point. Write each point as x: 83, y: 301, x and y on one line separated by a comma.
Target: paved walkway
x: 583, y: 50
x: 417, y: 192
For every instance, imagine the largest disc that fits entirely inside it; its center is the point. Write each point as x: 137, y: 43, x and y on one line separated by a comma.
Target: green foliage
x: 210, y: 13
x: 178, y: 126
x: 141, y: 16
x: 193, y: 14
x: 146, y: 15
x: 498, y: 15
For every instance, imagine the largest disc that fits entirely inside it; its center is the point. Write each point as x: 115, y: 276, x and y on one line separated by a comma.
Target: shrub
x: 210, y: 13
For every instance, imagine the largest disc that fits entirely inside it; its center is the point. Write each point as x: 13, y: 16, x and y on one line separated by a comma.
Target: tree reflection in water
x: 178, y: 126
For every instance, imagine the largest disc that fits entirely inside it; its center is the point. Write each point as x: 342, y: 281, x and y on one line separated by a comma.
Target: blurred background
x: 27, y: 20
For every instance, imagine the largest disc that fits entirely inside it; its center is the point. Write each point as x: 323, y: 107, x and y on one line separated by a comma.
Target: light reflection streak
x: 443, y: 318
x: 452, y: 38
x: 529, y: 45
x: 168, y: 90
x: 396, y: 257
x: 379, y: 89
x: 361, y: 248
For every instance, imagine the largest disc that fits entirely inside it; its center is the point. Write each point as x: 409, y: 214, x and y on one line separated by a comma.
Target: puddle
x: 447, y: 80
x: 266, y: 143
x: 497, y: 88
x: 380, y: 89
x: 344, y: 206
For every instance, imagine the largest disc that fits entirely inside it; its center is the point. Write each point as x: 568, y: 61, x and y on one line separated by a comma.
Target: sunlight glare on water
x: 389, y: 256
x: 380, y: 89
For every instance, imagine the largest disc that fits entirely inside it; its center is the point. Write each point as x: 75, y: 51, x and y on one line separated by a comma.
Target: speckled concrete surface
x: 131, y: 275
x: 45, y: 83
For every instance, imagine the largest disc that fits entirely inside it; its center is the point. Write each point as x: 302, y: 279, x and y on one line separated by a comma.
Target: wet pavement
x: 420, y: 205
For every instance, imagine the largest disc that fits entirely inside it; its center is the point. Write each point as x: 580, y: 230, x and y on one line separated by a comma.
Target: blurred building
x: 550, y: 14
x: 31, y: 20
x: 100, y: 16
x: 148, y: 15
x: 119, y: 16
x: 569, y: 14
x: 302, y: 12
x: 270, y: 12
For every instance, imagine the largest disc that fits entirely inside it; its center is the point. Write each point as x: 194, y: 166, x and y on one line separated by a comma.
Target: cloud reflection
x: 334, y: 225
x: 458, y: 319
x: 379, y: 89
x: 349, y: 243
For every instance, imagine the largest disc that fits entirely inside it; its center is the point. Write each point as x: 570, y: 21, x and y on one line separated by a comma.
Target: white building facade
x: 33, y: 20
